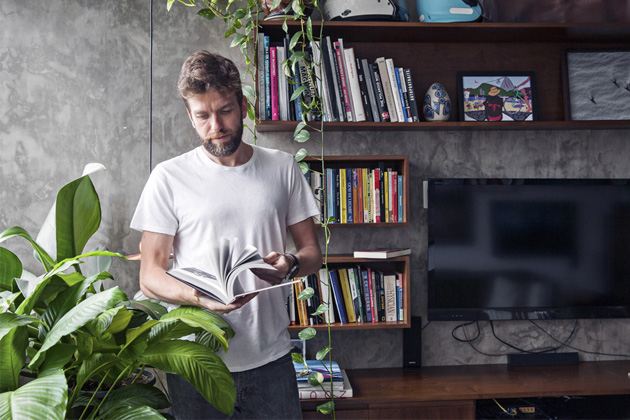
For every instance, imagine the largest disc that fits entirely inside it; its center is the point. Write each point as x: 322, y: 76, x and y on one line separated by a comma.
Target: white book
x: 387, y: 88
x: 283, y: 86
x: 226, y: 260
x: 382, y: 253
x: 389, y: 63
x: 329, y: 316
x: 358, y: 112
x: 391, y: 310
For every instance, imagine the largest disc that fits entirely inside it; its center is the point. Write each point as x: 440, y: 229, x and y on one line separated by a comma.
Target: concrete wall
x: 75, y: 88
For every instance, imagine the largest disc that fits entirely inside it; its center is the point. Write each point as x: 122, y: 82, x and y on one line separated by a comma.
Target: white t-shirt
x: 197, y: 200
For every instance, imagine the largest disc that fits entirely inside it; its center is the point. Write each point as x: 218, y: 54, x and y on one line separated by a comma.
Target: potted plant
x: 63, y: 330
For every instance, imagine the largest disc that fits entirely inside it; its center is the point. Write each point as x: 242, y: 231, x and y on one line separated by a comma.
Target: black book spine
x: 380, y: 95
x: 364, y: 94
x: 411, y: 93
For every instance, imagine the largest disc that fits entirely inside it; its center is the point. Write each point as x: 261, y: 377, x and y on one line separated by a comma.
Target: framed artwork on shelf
x: 496, y: 96
x: 597, y: 85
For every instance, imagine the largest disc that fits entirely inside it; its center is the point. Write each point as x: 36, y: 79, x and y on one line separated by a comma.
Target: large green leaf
x: 199, y: 366
x: 13, y: 350
x: 14, y: 231
x: 78, y: 317
x: 135, y: 395
x: 9, y: 320
x: 10, y: 268
x: 78, y: 216
x: 149, y: 307
x: 43, y: 398
x: 93, y: 367
x: 143, y: 412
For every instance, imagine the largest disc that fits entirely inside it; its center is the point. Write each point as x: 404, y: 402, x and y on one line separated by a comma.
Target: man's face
x: 218, y: 120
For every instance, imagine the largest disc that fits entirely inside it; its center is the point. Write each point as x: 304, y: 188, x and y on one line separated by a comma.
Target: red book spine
x: 273, y: 70
x: 344, y: 85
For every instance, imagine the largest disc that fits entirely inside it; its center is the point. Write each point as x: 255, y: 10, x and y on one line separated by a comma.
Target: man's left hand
x: 280, y: 262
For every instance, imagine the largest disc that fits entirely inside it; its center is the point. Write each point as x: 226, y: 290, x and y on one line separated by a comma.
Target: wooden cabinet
x: 435, y: 52
x: 441, y: 392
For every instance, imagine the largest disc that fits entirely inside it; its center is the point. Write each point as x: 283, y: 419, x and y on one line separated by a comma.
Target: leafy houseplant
x: 63, y: 331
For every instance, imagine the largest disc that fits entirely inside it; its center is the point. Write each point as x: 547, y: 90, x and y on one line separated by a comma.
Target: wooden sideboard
x: 451, y: 392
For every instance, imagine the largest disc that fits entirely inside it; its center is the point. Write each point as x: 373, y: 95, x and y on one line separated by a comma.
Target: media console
x: 451, y: 392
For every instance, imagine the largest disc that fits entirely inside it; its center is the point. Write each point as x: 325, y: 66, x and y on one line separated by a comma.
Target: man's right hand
x: 216, y: 306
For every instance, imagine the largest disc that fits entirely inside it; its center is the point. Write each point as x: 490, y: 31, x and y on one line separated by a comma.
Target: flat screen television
x: 511, y: 249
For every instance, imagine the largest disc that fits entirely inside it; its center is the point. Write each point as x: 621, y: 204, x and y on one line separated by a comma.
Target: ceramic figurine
x: 437, y: 104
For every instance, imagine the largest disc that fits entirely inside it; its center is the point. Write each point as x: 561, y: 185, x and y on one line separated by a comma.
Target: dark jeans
x: 267, y: 392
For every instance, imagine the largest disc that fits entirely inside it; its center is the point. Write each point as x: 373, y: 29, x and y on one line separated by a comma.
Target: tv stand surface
x: 452, y: 391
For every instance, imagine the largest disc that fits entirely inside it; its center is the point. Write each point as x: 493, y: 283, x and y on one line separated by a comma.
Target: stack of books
x: 335, y: 379
x: 351, y: 88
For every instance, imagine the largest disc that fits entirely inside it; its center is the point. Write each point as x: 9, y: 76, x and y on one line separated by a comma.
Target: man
x: 228, y: 188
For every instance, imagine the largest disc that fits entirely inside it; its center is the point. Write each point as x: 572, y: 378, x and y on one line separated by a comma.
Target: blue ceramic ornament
x: 437, y: 104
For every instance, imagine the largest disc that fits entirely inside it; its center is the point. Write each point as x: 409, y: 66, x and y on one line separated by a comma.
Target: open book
x: 227, y: 261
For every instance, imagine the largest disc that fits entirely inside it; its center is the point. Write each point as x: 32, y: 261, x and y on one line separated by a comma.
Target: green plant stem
x: 119, y: 378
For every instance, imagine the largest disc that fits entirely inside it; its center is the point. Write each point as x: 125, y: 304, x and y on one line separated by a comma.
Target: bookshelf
x: 436, y: 52
x: 399, y: 163
x: 398, y: 264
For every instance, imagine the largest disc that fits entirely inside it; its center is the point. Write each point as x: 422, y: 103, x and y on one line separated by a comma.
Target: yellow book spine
x: 347, y: 296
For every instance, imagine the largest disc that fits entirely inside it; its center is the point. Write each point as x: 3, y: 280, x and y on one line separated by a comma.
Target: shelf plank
x: 398, y: 32
x: 289, y: 126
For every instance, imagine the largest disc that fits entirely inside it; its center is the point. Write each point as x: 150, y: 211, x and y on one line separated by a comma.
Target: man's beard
x: 223, y: 149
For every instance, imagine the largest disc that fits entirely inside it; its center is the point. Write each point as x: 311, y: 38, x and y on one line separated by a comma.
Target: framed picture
x: 597, y: 85
x: 496, y: 96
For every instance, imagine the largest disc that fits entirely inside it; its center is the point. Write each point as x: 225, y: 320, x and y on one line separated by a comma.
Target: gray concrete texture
x: 75, y: 88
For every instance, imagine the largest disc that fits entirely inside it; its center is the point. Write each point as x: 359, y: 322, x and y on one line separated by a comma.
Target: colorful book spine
x: 395, y: 205
x: 260, y: 51
x: 391, y: 72
x: 347, y: 294
x: 343, y: 193
x: 366, y: 294
x: 344, y: 83
x: 349, y: 196
x: 404, y: 95
x: 338, y: 295
x: 273, y: 71
x: 400, y: 93
x: 267, y: 79
x: 401, y: 205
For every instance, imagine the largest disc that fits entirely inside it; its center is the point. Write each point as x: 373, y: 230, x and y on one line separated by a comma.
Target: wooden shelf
x: 435, y: 52
x: 400, y: 264
x: 289, y: 126
x: 398, y: 162
x: 452, y: 391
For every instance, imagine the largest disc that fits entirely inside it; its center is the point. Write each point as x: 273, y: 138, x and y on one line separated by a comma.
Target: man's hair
x: 204, y: 71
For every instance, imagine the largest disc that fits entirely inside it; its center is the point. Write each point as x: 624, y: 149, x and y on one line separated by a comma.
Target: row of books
x: 360, y: 294
x: 334, y: 378
x: 360, y: 195
x: 350, y: 87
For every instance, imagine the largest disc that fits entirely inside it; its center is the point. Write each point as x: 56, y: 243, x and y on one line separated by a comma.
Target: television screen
x: 528, y: 249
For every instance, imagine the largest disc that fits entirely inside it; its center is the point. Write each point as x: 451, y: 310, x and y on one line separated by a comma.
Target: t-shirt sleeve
x: 155, y: 210
x: 302, y: 202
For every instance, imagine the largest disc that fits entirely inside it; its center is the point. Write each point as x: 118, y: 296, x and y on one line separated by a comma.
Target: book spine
x: 273, y: 70
x: 355, y: 90
x: 367, y: 71
x: 267, y: 80
x: 386, y: 197
x: 411, y: 93
x: 339, y: 303
x: 307, y: 81
x: 291, y: 306
x: 373, y: 296
x: 399, y: 297
x: 376, y: 194
x: 347, y: 295
x: 389, y: 282
x: 349, y: 196
x: 400, y: 93
x: 343, y: 192
x: 260, y: 51
x: 344, y: 85
x: 337, y: 195
x: 405, y: 95
x: 330, y: 194
x: 368, y: 198
x: 325, y: 394
x: 391, y: 73
x: 336, y: 80
x: 394, y: 184
x: 387, y: 89
x: 358, y: 284
x: 381, y: 181
x: 297, y: 106
x: 325, y: 290
x: 365, y: 100
x: 401, y: 205
x: 283, y: 88
x: 329, y: 81
x: 366, y: 294
x: 354, y: 295
x: 357, y: 175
